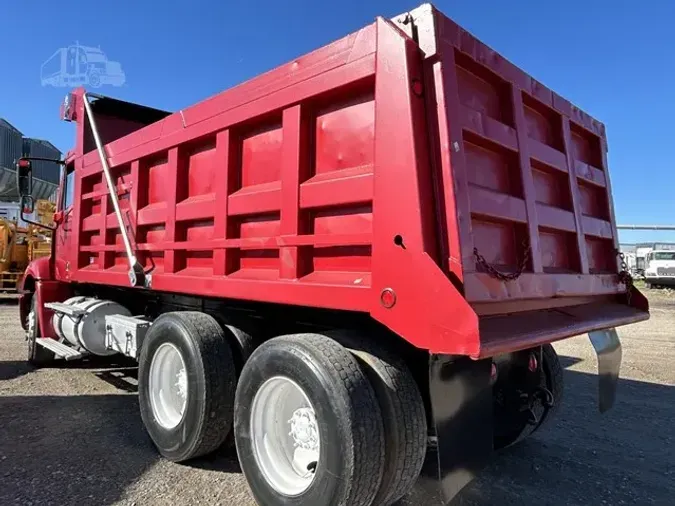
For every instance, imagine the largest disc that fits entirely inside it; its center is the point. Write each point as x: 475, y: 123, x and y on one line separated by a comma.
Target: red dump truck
x: 354, y: 263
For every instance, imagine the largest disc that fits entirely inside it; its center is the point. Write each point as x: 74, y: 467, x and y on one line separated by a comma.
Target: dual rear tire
x: 315, y: 422
x: 186, y: 385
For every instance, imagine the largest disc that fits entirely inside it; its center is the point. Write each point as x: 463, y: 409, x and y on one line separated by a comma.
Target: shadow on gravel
x: 622, y: 457
x: 89, y: 449
x: 566, y: 362
x: 126, y: 369
x: 9, y: 299
x: 124, y: 378
x: 14, y: 369
x: 222, y: 460
x: 71, y: 450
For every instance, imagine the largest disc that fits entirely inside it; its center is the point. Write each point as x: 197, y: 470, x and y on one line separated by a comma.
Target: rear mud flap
x: 608, y: 347
x: 461, y: 405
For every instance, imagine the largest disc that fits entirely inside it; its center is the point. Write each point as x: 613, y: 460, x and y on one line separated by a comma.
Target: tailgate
x: 528, y: 201
x: 525, y: 195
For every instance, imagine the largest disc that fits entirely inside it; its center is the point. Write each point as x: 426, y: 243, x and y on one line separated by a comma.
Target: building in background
x: 46, y: 175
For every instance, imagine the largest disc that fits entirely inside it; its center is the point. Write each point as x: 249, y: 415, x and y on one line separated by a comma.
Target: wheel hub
x: 168, y: 385
x: 304, y: 429
x: 30, y: 331
x: 285, y: 435
x: 182, y: 383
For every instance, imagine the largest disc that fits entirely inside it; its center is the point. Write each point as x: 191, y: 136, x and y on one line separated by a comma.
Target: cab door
x: 65, y: 256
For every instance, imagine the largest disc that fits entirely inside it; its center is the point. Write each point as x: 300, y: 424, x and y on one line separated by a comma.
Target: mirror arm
x: 36, y: 223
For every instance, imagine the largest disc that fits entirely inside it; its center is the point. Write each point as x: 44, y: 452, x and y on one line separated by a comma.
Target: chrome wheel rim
x: 32, y: 322
x: 168, y: 386
x: 285, y: 436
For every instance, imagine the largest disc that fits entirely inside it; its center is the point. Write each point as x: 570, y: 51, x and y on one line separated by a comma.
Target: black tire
x: 242, y: 342
x: 554, y: 380
x: 207, y: 419
x: 553, y: 377
x: 37, y: 355
x: 351, y: 459
x: 405, y: 424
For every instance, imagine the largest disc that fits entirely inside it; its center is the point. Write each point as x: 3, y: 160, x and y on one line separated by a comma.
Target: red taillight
x: 388, y: 298
x: 533, y: 363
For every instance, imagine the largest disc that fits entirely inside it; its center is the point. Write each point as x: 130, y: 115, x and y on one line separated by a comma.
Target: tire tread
x: 219, y: 381
x: 402, y: 467
x: 365, y: 416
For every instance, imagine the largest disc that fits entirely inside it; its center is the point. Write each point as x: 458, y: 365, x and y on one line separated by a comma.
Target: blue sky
x: 612, y: 58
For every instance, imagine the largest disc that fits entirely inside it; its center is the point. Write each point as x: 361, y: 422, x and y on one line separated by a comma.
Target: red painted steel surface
x: 373, y: 165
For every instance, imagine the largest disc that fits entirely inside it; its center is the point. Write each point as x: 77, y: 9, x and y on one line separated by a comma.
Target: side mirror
x: 24, y: 177
x: 27, y: 204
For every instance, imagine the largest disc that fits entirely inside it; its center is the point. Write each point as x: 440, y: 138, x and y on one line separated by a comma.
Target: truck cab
x: 660, y: 268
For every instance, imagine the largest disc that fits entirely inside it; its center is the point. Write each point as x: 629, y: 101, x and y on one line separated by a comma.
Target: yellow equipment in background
x: 40, y: 239
x: 13, y: 254
x: 19, y: 246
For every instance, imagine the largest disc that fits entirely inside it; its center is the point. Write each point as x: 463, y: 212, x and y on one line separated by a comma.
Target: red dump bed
x: 369, y: 175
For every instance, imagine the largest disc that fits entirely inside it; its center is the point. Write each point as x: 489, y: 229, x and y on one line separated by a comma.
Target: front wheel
x: 37, y: 355
x: 307, y: 425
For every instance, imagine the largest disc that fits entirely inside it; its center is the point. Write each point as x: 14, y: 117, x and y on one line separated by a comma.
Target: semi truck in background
x: 660, y: 268
x: 653, y: 262
x: 355, y: 263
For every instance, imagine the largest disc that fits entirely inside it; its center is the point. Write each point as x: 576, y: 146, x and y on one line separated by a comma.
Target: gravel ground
x: 73, y: 435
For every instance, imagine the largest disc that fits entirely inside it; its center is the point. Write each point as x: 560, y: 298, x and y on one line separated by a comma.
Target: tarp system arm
x: 136, y: 273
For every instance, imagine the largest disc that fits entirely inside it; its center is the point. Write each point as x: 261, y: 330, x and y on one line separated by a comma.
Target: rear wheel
x: 515, y: 417
x: 402, y: 407
x: 307, y: 425
x: 186, y: 385
x: 37, y: 355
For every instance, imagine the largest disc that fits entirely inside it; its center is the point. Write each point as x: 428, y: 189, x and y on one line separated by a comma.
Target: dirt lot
x: 73, y: 435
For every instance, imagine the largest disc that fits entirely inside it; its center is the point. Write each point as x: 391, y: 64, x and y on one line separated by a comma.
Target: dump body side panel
x: 263, y: 192
x: 267, y: 192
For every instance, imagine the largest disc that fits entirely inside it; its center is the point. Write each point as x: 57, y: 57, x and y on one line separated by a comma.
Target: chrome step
x: 60, y: 350
x: 66, y: 309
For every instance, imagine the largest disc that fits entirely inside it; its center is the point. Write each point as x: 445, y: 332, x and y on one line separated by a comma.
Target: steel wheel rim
x: 32, y: 320
x: 30, y: 332
x: 285, y: 436
x: 168, y: 386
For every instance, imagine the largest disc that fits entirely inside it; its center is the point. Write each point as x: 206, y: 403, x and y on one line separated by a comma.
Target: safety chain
x: 504, y: 276
x: 625, y: 276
